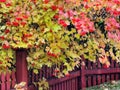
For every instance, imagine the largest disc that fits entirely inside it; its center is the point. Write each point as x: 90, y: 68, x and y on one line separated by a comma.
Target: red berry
x: 2, y: 0
x: 91, y: 30
x: 18, y: 18
x: 64, y: 25
x: 25, y: 16
x: 33, y: 64
x: 60, y: 8
x: 83, y: 33
x: 8, y: 4
x: 26, y: 35
x: 45, y: 9
x: 86, y: 6
x: 23, y: 23
x: 46, y: 1
x: 54, y: 7
x: 56, y: 16
x: 6, y: 46
x: 15, y: 23
x: 7, y: 31
x: 0, y: 62
x: 85, y: 0
x: 34, y: 1
x: 51, y: 31
x: 49, y: 53
x: 57, y: 71
x: 53, y: 75
x: 2, y: 37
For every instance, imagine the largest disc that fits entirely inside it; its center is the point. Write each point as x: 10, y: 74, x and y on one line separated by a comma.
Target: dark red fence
x: 89, y: 74
x: 7, y: 80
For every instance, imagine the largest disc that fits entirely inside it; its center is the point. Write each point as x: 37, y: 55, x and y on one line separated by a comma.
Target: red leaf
x: 67, y: 74
x: 105, y: 66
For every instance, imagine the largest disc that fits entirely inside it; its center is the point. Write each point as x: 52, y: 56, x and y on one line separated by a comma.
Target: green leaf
x: 10, y: 53
x: 72, y: 54
x: 62, y: 45
x: 40, y: 88
x: 3, y: 27
x: 56, y: 27
x: 35, y: 71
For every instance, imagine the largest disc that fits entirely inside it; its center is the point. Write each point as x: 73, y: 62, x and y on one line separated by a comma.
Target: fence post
x: 83, y: 78
x: 21, y: 66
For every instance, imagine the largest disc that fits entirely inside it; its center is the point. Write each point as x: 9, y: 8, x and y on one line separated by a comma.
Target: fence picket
x: 103, y: 78
x: 57, y: 87
x: 76, y: 83
x: 98, y: 79
x: 7, y: 81
x: 94, y: 65
x: 70, y: 85
x: 89, y: 81
x: 2, y: 81
x: 73, y: 84
x: 89, y: 65
x: 108, y: 77
x: 62, y: 86
x: 94, y: 80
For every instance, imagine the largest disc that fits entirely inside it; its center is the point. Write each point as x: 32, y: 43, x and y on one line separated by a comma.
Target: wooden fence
x: 89, y: 74
x: 7, y: 81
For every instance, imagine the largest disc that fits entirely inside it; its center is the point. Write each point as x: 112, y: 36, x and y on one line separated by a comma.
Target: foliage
x: 20, y: 86
x: 42, y: 84
x: 6, y: 60
x: 59, y: 32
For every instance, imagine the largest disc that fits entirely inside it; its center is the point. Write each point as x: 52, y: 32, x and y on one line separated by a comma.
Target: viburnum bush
x: 59, y: 32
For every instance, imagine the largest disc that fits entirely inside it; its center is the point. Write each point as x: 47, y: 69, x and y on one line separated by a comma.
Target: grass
x: 113, y: 85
